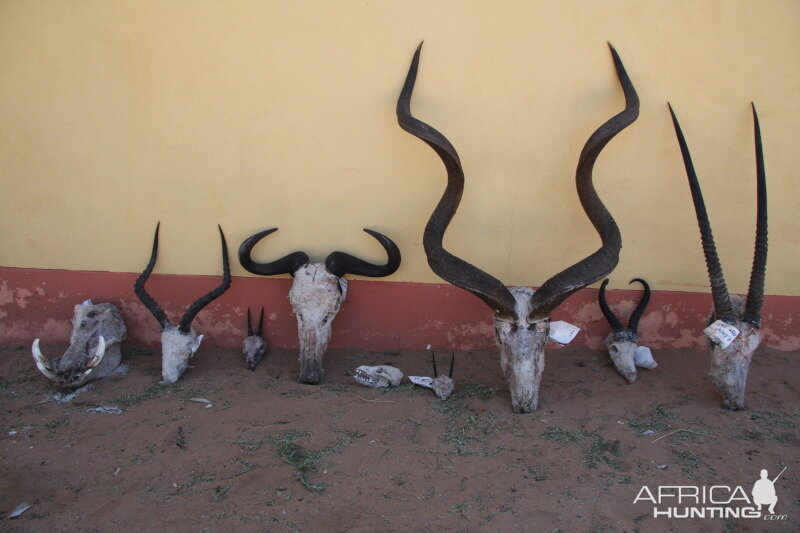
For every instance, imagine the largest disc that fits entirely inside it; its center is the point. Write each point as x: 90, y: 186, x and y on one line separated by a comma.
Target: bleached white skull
x: 254, y: 346
x: 94, y: 347
x: 378, y: 376
x: 443, y: 384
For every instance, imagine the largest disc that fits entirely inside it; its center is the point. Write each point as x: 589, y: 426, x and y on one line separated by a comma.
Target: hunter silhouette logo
x: 716, y: 501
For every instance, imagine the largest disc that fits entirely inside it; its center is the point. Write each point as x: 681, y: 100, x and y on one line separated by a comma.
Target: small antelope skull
x: 623, y: 342
x: 729, y: 365
x: 254, y: 345
x: 378, y: 376
x: 443, y: 385
x: 521, y: 315
x: 94, y: 347
x: 317, y: 292
x: 179, y: 344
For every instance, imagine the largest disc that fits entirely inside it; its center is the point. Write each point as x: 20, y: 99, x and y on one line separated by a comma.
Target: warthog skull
x: 443, y: 384
x: 521, y: 315
x: 622, y: 342
x: 94, y: 350
x: 729, y: 365
x: 378, y: 376
x: 254, y: 345
x: 179, y: 344
x: 317, y: 293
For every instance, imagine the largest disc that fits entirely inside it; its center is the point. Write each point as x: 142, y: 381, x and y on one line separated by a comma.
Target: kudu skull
x: 622, y: 343
x: 729, y: 365
x: 254, y: 345
x: 94, y: 347
x: 521, y: 315
x: 317, y: 292
x: 179, y: 344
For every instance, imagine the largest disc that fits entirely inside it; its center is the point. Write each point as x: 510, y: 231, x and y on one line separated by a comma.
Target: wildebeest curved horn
x: 447, y: 266
x: 340, y: 263
x: 599, y: 264
x: 188, y: 316
x: 633, y: 321
x: 285, y: 265
x: 719, y: 290
x: 40, y: 361
x: 612, y: 319
x: 755, y: 292
x: 139, y: 290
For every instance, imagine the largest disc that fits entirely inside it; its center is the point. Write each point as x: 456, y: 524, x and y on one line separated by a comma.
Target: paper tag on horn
x: 721, y: 333
x: 563, y: 332
x: 422, y: 381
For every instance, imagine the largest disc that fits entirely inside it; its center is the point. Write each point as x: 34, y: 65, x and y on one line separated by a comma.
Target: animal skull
x: 94, y: 346
x: 317, y: 292
x: 179, y: 343
x: 729, y: 365
x: 378, y: 376
x: 443, y: 384
x: 622, y: 343
x: 254, y: 345
x: 521, y: 315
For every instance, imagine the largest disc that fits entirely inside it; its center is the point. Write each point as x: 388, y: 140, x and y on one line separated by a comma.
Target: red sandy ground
x: 388, y: 460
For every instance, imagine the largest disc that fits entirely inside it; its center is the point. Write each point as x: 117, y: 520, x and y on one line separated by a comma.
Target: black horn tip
x: 419, y: 46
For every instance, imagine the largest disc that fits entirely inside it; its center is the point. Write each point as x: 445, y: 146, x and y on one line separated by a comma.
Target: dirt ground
x: 271, y: 454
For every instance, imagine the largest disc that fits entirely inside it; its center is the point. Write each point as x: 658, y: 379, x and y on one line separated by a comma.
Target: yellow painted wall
x: 253, y: 114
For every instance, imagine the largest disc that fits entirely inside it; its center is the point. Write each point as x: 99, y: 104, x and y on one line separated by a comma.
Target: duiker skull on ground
x: 254, y: 346
x: 94, y: 346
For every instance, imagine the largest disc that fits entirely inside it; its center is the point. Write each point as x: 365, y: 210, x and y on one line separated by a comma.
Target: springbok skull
x: 180, y: 343
x: 622, y: 343
x: 521, y: 315
x: 317, y: 292
x: 729, y: 365
x: 94, y: 347
x: 443, y: 385
x: 378, y: 376
x: 254, y: 345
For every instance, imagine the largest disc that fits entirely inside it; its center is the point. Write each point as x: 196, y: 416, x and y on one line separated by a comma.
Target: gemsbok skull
x: 94, y: 347
x: 521, y: 314
x: 179, y: 344
x: 622, y: 343
x: 254, y: 345
x: 729, y: 365
x: 317, y: 292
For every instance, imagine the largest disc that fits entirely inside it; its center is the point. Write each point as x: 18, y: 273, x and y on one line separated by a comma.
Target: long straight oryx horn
x: 41, y: 362
x: 633, y: 321
x: 285, y: 265
x: 599, y: 264
x: 719, y: 290
x: 755, y: 293
x: 341, y: 263
x: 186, y: 321
x: 612, y: 319
x: 447, y: 266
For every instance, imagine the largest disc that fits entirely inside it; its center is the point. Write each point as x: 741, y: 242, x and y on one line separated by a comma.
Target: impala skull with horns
x: 317, y: 293
x: 180, y: 343
x: 729, y: 365
x: 521, y: 314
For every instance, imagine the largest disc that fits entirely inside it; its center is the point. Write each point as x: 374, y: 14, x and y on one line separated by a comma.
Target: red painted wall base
x: 377, y: 315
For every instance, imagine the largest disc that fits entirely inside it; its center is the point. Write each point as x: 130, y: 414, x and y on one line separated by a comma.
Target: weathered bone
x: 179, y: 344
x: 94, y: 351
x: 254, y: 345
x: 729, y: 365
x: 317, y: 292
x: 521, y: 315
x: 443, y: 385
x: 378, y: 376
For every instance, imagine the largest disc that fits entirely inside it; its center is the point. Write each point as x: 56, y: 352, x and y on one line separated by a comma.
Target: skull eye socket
x: 613, y: 349
x: 325, y: 320
x: 380, y: 371
x: 91, y: 314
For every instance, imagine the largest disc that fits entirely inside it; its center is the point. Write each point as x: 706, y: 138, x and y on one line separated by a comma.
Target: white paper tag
x: 87, y: 302
x: 422, y: 381
x: 563, y: 332
x: 721, y: 333
x: 643, y: 357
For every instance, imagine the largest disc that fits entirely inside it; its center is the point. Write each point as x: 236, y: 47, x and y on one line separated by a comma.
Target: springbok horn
x: 285, y: 265
x: 719, y: 290
x: 41, y: 363
x: 447, y: 266
x: 260, y: 331
x: 633, y: 321
x: 249, y: 326
x: 140, y: 291
x: 755, y: 293
x: 433, y: 358
x: 452, y: 364
x: 612, y: 319
x: 599, y: 264
x: 99, y: 353
x: 186, y: 321
x: 340, y: 263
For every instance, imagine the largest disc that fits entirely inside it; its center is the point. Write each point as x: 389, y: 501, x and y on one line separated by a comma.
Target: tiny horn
x: 452, y: 363
x: 249, y: 325
x: 260, y: 331
x: 435, y: 372
x: 41, y: 364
